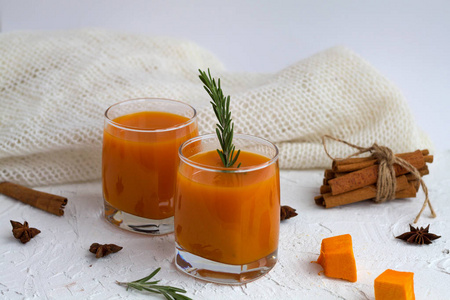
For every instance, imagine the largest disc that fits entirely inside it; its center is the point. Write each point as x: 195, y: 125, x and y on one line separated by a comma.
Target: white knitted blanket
x: 55, y: 87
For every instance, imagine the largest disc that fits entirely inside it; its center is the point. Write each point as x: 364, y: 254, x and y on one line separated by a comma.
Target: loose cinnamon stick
x: 369, y: 175
x: 368, y: 192
x: 50, y: 203
x: 339, y: 166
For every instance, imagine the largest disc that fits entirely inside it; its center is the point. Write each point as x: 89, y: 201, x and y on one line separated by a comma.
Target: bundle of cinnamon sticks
x: 354, y: 179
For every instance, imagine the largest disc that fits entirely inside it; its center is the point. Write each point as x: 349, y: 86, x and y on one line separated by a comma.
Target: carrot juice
x: 140, y: 161
x: 227, y: 215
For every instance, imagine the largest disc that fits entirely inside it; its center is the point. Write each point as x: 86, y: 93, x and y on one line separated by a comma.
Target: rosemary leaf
x: 225, y: 127
x: 169, y: 292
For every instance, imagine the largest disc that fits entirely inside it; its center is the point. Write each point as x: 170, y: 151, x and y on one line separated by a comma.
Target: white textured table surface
x: 56, y: 264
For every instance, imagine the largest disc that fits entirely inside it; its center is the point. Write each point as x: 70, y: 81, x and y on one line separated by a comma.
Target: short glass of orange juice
x: 141, y: 138
x: 227, y: 219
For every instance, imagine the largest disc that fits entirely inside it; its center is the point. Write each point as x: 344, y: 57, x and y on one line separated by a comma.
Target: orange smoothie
x: 231, y: 218
x: 140, y: 161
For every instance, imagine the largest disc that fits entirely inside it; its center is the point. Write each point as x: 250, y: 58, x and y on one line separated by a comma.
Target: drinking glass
x: 227, y: 219
x: 141, y: 139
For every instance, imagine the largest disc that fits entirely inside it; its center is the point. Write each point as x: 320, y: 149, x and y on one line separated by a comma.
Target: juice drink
x: 229, y: 216
x: 140, y: 161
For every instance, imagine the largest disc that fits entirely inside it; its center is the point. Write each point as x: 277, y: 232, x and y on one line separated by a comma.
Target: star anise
x: 418, y: 236
x: 287, y: 212
x: 103, y: 250
x: 23, y: 232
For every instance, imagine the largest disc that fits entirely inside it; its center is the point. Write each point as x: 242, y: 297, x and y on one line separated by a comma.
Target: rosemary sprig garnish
x: 225, y: 127
x: 169, y: 292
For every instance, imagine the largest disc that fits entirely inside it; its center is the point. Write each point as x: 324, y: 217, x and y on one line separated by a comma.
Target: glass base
x: 137, y: 224
x: 213, y: 271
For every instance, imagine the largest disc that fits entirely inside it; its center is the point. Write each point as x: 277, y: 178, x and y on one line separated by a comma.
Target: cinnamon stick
x: 353, y: 164
x: 325, y: 189
x: 368, y: 192
x: 358, y: 166
x: 423, y: 171
x: 411, y: 178
x: 50, y: 203
x: 369, y: 175
x: 409, y: 192
x: 415, y: 183
x: 329, y: 174
x: 353, y: 160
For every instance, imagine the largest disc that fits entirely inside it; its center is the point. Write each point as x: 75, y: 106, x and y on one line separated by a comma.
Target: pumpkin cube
x: 396, y: 285
x: 337, y: 259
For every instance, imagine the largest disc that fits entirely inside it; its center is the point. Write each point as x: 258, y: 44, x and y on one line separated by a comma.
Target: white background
x: 408, y: 41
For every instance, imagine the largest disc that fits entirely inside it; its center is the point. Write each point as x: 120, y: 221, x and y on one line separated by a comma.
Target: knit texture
x: 56, y: 86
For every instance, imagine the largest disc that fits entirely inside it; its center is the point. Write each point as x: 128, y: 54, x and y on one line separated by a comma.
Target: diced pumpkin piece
x: 394, y: 285
x: 337, y: 259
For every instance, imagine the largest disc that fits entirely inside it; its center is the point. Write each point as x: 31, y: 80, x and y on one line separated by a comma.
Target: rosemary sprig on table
x: 169, y: 292
x: 225, y: 128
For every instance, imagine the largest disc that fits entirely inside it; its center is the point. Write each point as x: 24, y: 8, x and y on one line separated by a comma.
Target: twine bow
x: 386, y: 181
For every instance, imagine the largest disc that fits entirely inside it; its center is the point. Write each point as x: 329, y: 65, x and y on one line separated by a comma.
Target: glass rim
x: 225, y: 169
x: 137, y: 129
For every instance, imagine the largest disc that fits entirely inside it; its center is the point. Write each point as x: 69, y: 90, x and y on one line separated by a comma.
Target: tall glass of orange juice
x: 227, y: 219
x: 141, y: 139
